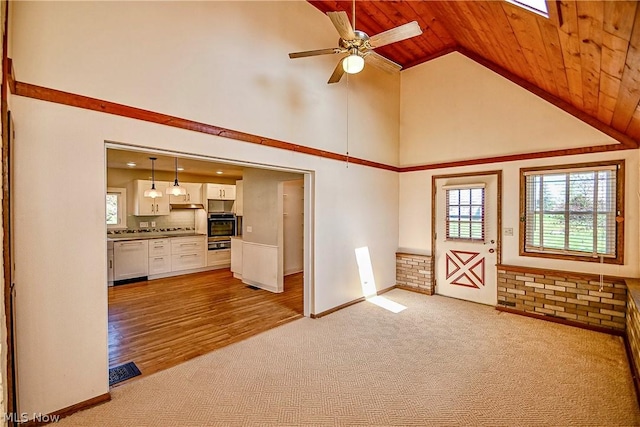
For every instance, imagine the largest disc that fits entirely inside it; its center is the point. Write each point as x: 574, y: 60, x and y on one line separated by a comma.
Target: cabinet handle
x: 189, y: 255
x: 188, y: 244
x: 160, y: 258
x: 110, y: 263
x: 131, y: 244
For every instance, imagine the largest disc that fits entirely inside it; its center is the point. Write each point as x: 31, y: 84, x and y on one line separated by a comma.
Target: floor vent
x: 120, y: 373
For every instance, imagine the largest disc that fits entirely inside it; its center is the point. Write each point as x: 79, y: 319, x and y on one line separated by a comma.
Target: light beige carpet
x: 439, y: 362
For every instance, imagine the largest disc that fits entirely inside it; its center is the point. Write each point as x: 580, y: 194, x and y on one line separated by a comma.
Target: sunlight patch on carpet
x: 387, y: 304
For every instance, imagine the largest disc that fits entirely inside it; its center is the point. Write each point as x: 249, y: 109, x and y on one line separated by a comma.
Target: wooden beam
x: 624, y: 139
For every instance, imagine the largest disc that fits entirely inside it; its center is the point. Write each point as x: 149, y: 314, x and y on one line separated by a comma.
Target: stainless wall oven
x: 221, y: 226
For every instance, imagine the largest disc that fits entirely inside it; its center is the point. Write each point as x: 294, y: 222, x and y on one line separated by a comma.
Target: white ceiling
x: 119, y: 158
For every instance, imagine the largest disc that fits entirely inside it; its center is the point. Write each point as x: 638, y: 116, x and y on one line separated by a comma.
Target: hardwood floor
x: 161, y: 323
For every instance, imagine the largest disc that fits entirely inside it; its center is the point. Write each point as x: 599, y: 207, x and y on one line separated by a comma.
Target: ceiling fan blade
x: 396, y: 34
x: 341, y: 22
x: 381, y: 62
x: 314, y: 52
x: 337, y: 73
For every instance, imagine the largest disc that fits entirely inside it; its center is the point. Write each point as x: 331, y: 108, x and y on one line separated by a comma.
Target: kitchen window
x: 116, y: 208
x: 573, y: 212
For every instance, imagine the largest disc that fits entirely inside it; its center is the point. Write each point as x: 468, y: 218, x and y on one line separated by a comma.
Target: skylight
x: 537, y: 6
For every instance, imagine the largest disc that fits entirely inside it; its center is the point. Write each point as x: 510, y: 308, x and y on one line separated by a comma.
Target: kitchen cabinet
x: 219, y: 258
x: 130, y: 259
x: 193, y: 196
x: 188, y: 252
x: 236, y: 257
x: 159, y: 256
x: 146, y: 206
x: 239, y: 205
x: 221, y: 192
x: 110, y: 263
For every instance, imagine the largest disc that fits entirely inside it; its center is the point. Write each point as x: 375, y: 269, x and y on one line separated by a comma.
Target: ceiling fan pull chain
x: 348, y: 121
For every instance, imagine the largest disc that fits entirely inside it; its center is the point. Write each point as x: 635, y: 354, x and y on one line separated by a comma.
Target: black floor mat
x: 121, y: 373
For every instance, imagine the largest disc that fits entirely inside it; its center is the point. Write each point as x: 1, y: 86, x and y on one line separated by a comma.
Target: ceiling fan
x: 360, y: 46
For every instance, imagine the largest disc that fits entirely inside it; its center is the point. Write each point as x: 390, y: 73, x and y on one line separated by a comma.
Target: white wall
x: 455, y: 109
x: 471, y: 113
x: 293, y: 202
x: 223, y: 63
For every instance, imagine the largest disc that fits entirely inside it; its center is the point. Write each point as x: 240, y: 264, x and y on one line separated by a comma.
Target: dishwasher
x: 130, y: 261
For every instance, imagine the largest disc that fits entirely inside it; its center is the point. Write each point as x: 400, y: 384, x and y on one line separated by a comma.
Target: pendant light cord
x: 153, y: 174
x: 176, y: 183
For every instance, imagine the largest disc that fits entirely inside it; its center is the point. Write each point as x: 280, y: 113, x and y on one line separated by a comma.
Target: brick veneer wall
x: 413, y: 272
x: 572, y: 296
x: 633, y: 321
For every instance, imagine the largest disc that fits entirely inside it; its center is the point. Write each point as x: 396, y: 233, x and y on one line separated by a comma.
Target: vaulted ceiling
x: 585, y: 57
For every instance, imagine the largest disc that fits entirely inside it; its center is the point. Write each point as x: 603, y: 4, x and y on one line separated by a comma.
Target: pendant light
x: 176, y: 190
x: 152, y: 192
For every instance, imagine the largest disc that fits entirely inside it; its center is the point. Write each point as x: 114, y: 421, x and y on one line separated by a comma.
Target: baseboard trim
x: 412, y: 289
x: 65, y: 412
x: 562, y: 321
x: 347, y: 304
x: 632, y: 367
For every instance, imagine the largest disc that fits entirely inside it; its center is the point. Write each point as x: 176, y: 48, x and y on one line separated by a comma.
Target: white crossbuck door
x: 466, y: 238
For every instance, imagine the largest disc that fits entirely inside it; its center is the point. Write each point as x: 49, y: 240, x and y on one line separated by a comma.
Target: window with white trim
x: 573, y: 212
x: 465, y: 212
x: 116, y: 208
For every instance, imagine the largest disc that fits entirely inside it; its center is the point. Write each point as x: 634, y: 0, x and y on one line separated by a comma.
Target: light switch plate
x: 144, y: 224
x: 508, y: 231
x: 249, y: 229
x: 153, y: 223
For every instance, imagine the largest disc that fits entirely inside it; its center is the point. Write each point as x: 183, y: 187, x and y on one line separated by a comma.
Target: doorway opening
x: 200, y: 282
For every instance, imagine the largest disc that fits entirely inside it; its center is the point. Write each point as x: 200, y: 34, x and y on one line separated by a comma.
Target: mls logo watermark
x: 24, y: 417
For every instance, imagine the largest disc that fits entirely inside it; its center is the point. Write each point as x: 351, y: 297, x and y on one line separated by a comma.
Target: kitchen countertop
x: 150, y: 235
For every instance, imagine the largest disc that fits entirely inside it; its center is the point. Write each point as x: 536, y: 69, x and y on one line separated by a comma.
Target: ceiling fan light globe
x: 353, y: 64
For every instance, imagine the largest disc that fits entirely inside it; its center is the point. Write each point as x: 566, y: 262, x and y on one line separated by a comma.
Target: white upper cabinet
x: 146, y: 206
x: 193, y: 196
x: 221, y: 192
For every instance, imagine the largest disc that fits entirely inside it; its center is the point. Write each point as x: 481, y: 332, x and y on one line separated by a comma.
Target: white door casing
x: 465, y: 267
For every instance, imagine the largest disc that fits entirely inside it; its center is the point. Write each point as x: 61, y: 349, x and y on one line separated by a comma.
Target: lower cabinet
x: 110, y: 267
x: 152, y: 257
x: 159, y: 264
x: 159, y: 256
x: 219, y: 258
x: 236, y: 257
x: 188, y: 253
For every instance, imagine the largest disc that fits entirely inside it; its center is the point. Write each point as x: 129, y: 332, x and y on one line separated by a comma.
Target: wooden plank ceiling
x: 587, y: 53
